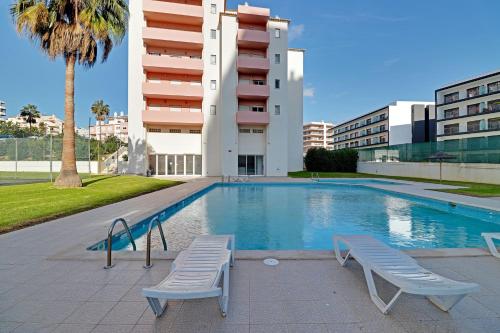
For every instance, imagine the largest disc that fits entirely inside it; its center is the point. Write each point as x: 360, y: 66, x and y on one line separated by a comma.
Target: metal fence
x: 471, y: 150
x: 38, y: 158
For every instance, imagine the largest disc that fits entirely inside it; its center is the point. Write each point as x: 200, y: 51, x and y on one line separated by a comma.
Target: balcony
x: 170, y: 38
x: 248, y: 64
x: 172, y: 64
x: 252, y: 91
x: 253, y: 15
x: 252, y: 118
x: 172, y: 118
x: 167, y: 90
x: 255, y: 39
x: 172, y: 12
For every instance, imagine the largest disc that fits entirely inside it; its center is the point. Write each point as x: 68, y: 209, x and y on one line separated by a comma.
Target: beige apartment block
x: 318, y: 135
x: 469, y: 109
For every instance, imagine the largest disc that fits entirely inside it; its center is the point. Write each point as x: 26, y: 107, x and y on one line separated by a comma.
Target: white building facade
x: 116, y: 125
x: 469, y: 109
x: 318, y: 134
x: 389, y: 125
x: 212, y: 92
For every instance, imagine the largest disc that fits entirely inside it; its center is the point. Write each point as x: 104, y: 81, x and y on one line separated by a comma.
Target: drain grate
x: 271, y: 262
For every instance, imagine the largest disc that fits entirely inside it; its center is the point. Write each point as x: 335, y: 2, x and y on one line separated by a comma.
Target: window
x: 276, y: 84
x: 277, y: 33
x: 451, y: 129
x: 258, y: 82
x: 250, y: 165
x: 382, y: 116
x: 382, y: 128
x: 451, y: 113
x: 154, y: 130
x: 244, y: 130
x: 277, y: 59
x: 194, y: 131
x: 175, y: 108
x: 450, y: 98
x: 174, y: 130
x: 213, y: 9
x: 213, y: 85
x: 494, y: 87
x: 213, y: 110
x: 473, y: 92
x: 257, y: 108
x: 257, y: 131
x: 494, y: 124
x: 472, y: 109
x: 213, y: 59
x: 213, y: 34
x: 494, y: 106
x: 277, y: 110
x: 382, y: 139
x: 473, y: 126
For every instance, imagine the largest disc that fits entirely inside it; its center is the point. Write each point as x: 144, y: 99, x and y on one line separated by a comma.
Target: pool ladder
x: 315, y: 174
x: 154, y: 220
x: 110, y: 240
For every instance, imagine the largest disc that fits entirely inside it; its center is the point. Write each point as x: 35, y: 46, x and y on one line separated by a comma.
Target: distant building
x: 318, y: 135
x: 116, y: 125
x: 397, y: 123
x: 469, y: 108
x: 3, y: 109
x: 83, y: 132
x: 53, y: 124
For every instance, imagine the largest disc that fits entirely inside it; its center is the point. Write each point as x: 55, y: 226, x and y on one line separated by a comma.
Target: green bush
x: 322, y: 160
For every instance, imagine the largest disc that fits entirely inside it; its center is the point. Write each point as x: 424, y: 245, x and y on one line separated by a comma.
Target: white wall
x: 296, y: 110
x: 473, y: 172
x: 136, y: 133
x: 44, y: 166
x: 174, y: 143
x: 252, y: 143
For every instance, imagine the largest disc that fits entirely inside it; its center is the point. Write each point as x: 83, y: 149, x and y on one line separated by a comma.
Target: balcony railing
x: 172, y: 118
x: 168, y: 90
x: 252, y: 64
x: 181, y: 39
x: 252, y: 91
x: 252, y: 118
x: 172, y: 12
x: 172, y: 64
x: 253, y: 38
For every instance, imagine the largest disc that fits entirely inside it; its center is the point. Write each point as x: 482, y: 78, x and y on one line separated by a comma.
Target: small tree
x: 101, y: 112
x: 30, y: 112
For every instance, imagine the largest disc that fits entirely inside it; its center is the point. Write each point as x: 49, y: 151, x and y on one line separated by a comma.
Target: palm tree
x: 74, y: 30
x: 101, y: 112
x: 30, y: 112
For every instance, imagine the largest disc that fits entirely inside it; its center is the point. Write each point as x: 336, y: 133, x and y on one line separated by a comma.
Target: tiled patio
x: 40, y: 293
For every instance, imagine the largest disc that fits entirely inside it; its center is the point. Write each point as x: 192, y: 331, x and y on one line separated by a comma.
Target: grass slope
x: 471, y: 189
x: 24, y: 205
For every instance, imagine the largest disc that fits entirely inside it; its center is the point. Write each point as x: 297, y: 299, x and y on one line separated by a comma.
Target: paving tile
x: 307, y: 328
x: 238, y: 313
x: 74, y: 328
x: 55, y: 312
x: 304, y: 312
x: 198, y: 311
x: 190, y: 328
x: 113, y: 328
x: 127, y: 313
x: 90, y: 313
x: 134, y: 293
x: 469, y: 308
x: 22, y: 311
x: 229, y: 328
x: 110, y: 292
x: 145, y: 329
x: 8, y: 326
x: 35, y: 328
x: 267, y: 313
x: 266, y: 328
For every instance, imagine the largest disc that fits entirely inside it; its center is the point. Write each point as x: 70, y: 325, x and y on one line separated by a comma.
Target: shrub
x: 322, y: 160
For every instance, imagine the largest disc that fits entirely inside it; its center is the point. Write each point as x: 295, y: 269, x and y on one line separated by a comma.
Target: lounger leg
x: 157, y: 308
x: 372, y: 289
x: 338, y: 254
x: 232, y: 246
x: 491, y: 246
x: 224, y: 298
x: 445, y: 303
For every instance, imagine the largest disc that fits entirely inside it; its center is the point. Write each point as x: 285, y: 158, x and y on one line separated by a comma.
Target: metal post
x: 50, y: 145
x: 108, y: 260
x: 15, y: 174
x: 148, y: 252
x: 90, y: 164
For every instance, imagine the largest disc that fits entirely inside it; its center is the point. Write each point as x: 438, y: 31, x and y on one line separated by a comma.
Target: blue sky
x: 361, y: 55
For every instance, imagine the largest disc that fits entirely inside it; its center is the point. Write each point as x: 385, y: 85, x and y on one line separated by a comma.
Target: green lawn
x: 472, y: 189
x: 33, y: 175
x: 24, y: 205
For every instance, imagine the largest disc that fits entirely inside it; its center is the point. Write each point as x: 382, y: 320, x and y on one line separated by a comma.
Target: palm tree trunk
x: 68, y: 176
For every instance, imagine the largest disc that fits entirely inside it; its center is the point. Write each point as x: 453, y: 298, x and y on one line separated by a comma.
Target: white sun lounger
x: 489, y: 237
x: 400, y: 270
x: 196, y: 273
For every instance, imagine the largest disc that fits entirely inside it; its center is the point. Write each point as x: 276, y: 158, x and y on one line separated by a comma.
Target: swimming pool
x: 305, y: 216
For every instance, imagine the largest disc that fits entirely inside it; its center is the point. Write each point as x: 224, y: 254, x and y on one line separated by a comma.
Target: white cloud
x: 309, y: 92
x: 295, y: 32
x: 391, y: 62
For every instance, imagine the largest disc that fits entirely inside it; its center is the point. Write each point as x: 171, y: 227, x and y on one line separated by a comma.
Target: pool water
x: 305, y: 216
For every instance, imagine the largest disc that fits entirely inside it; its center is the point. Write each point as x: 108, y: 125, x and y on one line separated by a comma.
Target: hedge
x: 322, y: 160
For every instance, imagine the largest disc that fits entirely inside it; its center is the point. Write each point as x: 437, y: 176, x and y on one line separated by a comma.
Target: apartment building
x: 116, y: 125
x: 212, y: 91
x: 3, y: 109
x: 53, y: 125
x: 469, y: 109
x: 318, y: 135
x: 392, y: 124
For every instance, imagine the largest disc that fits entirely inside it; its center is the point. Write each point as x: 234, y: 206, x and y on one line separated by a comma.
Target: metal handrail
x: 148, y: 247
x: 110, y: 239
